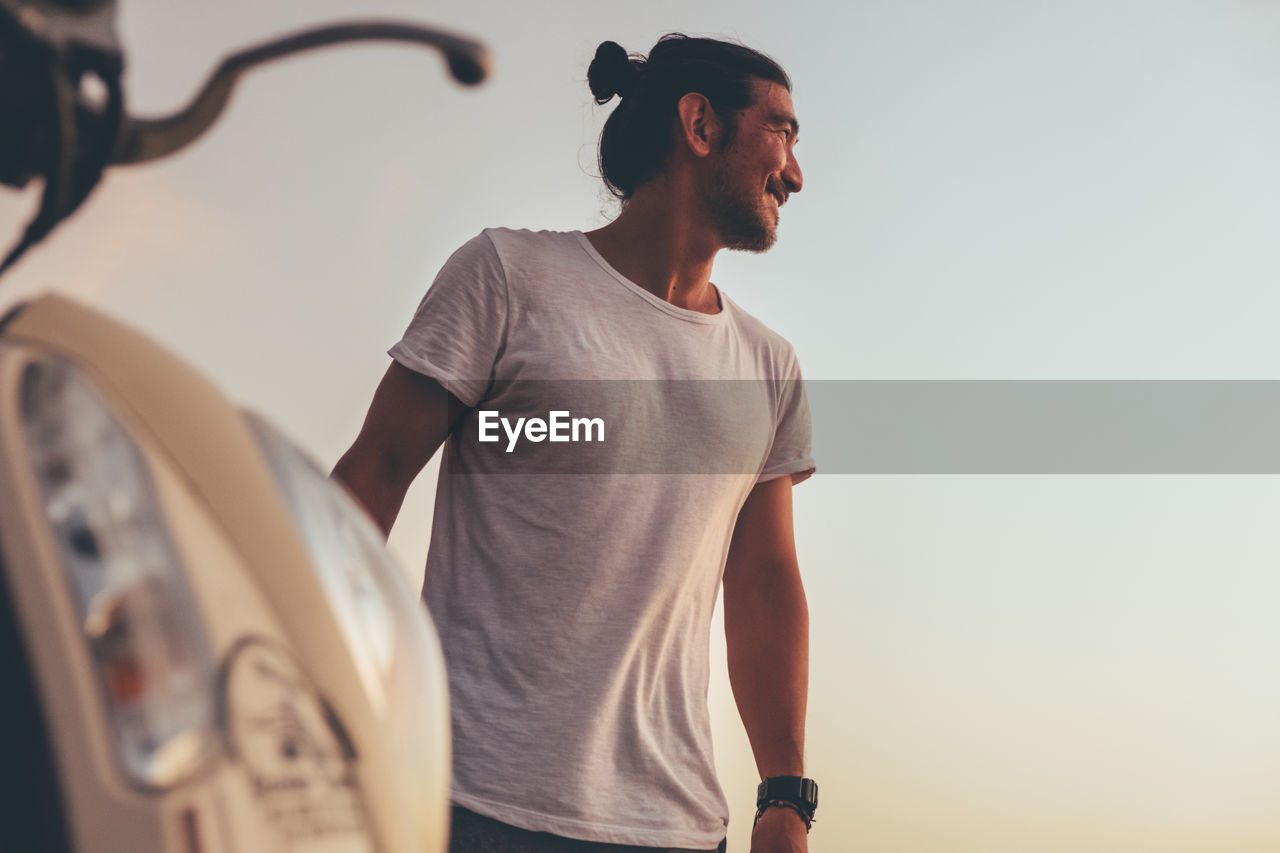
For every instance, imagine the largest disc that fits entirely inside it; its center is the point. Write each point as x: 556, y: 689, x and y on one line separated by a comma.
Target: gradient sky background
x: 994, y: 190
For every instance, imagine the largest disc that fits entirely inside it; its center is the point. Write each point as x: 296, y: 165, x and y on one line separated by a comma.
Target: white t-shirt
x: 573, y: 583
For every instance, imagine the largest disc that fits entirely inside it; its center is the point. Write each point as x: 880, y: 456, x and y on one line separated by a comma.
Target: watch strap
x: 792, y: 789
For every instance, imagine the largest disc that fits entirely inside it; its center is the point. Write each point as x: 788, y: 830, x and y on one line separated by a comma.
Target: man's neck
x: 654, y: 244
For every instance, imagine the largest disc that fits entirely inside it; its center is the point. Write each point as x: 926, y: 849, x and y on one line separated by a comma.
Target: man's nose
x: 791, y: 174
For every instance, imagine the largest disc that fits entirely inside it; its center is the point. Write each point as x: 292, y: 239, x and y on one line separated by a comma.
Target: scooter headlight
x: 144, y: 634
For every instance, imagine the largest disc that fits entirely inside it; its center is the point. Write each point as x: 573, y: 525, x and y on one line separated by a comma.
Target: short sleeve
x: 460, y: 327
x: 791, y: 451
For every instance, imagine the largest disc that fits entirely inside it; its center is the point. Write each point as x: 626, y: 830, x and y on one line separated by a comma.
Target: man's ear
x: 699, y: 126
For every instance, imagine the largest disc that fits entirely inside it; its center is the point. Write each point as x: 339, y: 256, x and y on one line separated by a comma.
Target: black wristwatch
x: 794, y: 792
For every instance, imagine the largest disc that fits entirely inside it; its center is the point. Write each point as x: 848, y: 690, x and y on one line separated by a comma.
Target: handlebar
x: 52, y: 125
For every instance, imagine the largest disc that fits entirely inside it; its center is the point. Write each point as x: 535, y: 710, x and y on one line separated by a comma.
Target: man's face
x: 751, y: 178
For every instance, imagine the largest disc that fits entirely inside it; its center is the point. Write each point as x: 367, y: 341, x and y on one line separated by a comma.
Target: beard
x: 739, y: 212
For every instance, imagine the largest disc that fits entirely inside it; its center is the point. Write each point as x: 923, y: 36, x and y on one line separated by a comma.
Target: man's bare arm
x: 766, y: 623
x: 408, y: 420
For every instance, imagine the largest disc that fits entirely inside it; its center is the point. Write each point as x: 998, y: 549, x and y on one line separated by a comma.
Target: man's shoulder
x: 755, y: 329
x: 514, y: 241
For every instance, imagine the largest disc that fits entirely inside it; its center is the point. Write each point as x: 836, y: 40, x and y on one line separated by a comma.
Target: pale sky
x: 993, y: 190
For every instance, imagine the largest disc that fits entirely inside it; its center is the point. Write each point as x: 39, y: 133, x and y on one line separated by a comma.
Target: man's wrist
x: 793, y: 793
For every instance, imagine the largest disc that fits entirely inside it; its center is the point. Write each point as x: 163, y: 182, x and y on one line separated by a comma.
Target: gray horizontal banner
x: 1046, y: 427
x: 874, y: 427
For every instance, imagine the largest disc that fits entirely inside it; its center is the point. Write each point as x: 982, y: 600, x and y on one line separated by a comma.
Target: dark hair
x: 637, y: 137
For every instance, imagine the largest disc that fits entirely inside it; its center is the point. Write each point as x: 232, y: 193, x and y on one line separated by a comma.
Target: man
x: 574, y: 606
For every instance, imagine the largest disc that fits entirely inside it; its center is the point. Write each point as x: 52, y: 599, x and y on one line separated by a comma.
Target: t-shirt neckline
x: 686, y: 314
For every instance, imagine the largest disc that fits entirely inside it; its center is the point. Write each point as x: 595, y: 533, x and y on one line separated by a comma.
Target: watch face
x: 809, y: 792
x: 295, y: 752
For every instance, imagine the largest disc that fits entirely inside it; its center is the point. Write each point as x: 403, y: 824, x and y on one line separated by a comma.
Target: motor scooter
x: 204, y: 644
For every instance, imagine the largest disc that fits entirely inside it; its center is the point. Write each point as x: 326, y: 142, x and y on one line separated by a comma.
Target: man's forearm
x: 378, y: 490
x: 766, y: 621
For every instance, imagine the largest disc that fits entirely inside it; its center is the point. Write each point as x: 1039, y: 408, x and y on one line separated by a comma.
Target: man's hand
x: 780, y: 830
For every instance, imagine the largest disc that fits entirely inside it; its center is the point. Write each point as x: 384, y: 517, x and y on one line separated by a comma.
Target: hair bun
x: 612, y: 72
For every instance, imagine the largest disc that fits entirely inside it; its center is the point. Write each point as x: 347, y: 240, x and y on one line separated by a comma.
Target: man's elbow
x: 377, y: 480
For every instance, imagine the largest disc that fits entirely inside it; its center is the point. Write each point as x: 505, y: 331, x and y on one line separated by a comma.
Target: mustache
x: 776, y: 187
